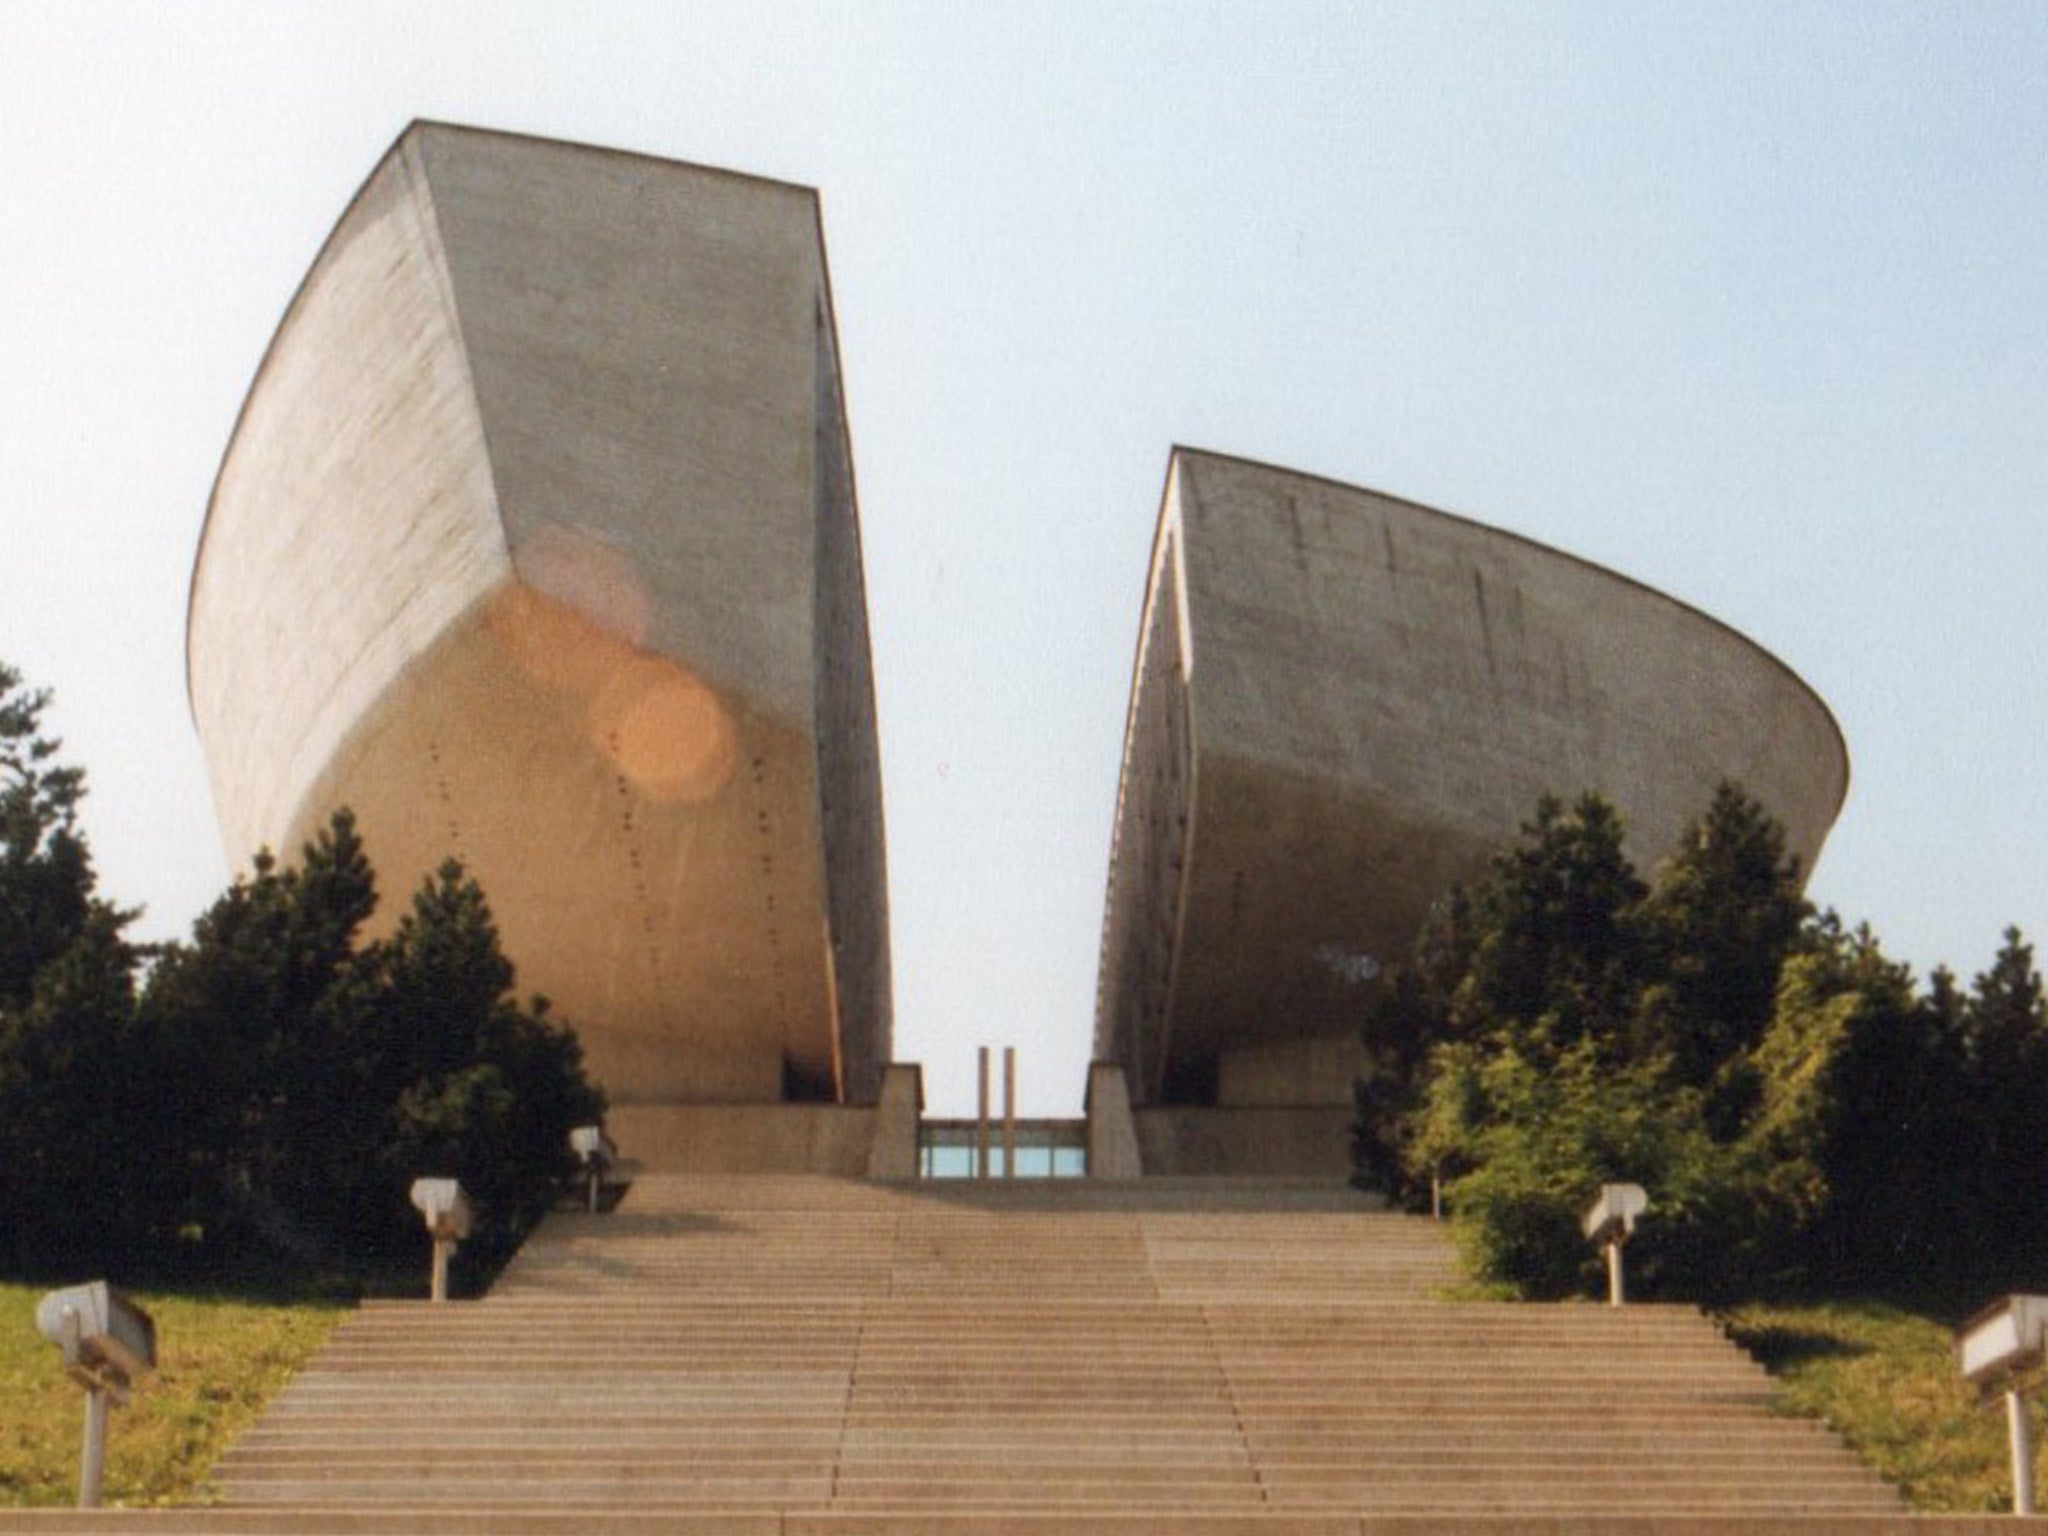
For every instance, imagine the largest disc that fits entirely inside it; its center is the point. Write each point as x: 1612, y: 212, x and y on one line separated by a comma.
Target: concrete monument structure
x: 1342, y: 704
x: 536, y: 544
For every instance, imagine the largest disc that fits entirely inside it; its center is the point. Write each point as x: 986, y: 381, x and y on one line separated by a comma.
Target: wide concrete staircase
x: 773, y: 1344
x: 787, y: 1355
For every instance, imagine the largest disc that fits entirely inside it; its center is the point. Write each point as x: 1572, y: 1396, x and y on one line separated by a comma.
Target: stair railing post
x: 446, y: 1210
x: 107, y: 1344
x: 2020, y: 1431
x: 1610, y: 1221
x: 2002, y: 1350
x: 92, y: 1461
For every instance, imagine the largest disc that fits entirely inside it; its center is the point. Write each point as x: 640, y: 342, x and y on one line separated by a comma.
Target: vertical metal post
x: 981, y: 1119
x: 1436, y: 1195
x: 438, y: 1289
x: 2021, y: 1433
x: 95, y: 1454
x: 1614, y: 1282
x: 1009, y: 1111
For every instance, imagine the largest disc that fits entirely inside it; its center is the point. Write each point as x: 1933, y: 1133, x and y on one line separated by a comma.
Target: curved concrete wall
x: 536, y: 544
x: 1342, y: 704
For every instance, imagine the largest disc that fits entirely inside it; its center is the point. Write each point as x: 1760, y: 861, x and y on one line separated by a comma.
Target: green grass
x: 1886, y: 1380
x: 219, y: 1359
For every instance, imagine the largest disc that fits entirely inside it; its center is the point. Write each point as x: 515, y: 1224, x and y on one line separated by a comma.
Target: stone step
x: 1077, y: 1520
x: 1009, y: 1470
x: 1122, y: 1357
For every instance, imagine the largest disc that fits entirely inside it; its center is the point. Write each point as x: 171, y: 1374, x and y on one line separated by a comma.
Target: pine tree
x: 1722, y: 916
x: 1551, y: 960
x: 247, y: 1020
x: 47, y: 885
x: 2005, y: 1036
x: 494, y: 1088
x: 66, y: 1000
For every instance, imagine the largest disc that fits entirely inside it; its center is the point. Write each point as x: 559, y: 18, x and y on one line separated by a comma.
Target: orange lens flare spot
x: 666, y: 732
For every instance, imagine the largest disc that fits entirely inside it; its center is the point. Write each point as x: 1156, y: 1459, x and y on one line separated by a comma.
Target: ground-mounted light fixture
x: 445, y: 1208
x: 1610, y: 1221
x: 597, y: 1162
x: 108, y: 1344
x: 2004, y: 1348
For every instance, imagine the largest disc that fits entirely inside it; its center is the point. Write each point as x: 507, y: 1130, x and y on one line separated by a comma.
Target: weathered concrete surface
x: 536, y: 544
x: 1341, y: 705
x: 1147, y: 1356
x: 1245, y: 1141
x: 893, y: 1149
x: 1112, y: 1137
x: 833, y: 1139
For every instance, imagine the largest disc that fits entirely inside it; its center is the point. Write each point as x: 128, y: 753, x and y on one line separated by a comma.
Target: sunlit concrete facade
x: 1342, y: 704
x: 536, y: 544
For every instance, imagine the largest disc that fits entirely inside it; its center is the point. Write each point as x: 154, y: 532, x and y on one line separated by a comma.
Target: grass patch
x: 220, y: 1359
x: 1886, y: 1380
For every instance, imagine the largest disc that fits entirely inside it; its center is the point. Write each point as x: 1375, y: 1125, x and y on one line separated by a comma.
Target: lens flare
x: 668, y: 733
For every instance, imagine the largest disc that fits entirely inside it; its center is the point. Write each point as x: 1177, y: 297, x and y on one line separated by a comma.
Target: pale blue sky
x: 1749, y: 302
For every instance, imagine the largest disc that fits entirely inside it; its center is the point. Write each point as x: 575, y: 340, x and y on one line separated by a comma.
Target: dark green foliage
x: 46, y: 878
x: 257, y: 1019
x: 2003, y: 1151
x: 66, y: 994
x: 492, y: 1089
x: 1408, y: 1018
x: 1551, y: 957
x: 1538, y: 958
x: 1713, y: 933
x: 1593, y: 1029
x: 1797, y: 1109
x: 62, y: 1176
x: 1924, y: 1140
x: 331, y: 1073
x: 265, y: 1102
x: 2005, y: 1043
x: 1535, y: 1140
x: 1853, y: 1084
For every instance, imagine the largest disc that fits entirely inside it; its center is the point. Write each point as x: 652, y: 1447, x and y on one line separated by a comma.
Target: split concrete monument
x: 536, y: 544
x: 1342, y: 704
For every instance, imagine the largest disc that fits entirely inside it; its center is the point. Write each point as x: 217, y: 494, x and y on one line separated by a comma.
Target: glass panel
x: 1046, y: 1149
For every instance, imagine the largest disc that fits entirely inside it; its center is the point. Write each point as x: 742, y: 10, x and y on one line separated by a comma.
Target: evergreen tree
x: 1406, y: 1019
x: 1700, y: 1036
x: 1884, y: 1122
x: 250, y: 1018
x: 279, y: 1082
x: 493, y: 1088
x: 2005, y: 1039
x: 1550, y: 958
x: 47, y: 885
x: 72, y: 1186
x: 1721, y: 917
x: 317, y: 1075
x: 66, y: 994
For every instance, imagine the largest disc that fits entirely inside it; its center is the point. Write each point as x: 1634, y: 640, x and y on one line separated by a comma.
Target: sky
x: 1746, y: 301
